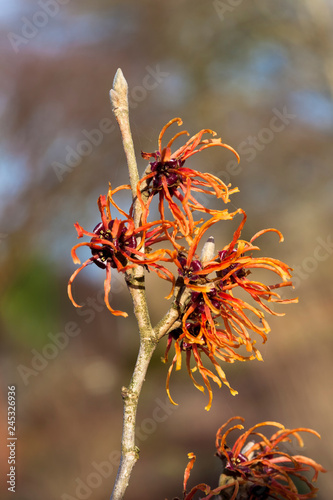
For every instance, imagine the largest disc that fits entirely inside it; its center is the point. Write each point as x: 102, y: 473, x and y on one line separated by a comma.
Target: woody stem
x: 119, y: 100
x: 136, y: 285
x: 129, y: 451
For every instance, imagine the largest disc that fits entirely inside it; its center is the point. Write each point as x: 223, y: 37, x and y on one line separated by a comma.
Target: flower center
x: 193, y: 328
x: 166, y: 170
x: 189, y: 271
x: 106, y: 253
x: 198, y: 300
x: 239, y: 273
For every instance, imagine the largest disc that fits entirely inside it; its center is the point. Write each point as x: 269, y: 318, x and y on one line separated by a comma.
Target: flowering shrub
x: 215, y: 322
x: 208, y: 318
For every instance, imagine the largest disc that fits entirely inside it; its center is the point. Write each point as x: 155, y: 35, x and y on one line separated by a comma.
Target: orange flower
x: 116, y: 244
x: 168, y: 177
x: 259, y: 468
x: 216, y: 323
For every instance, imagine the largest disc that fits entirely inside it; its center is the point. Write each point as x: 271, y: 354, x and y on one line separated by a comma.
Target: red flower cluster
x: 216, y: 322
x: 258, y: 468
x: 116, y: 244
x: 167, y: 177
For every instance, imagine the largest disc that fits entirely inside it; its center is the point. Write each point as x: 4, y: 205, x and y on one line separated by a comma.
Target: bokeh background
x: 232, y: 66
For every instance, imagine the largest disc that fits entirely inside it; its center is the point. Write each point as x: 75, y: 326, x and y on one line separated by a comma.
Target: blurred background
x: 259, y: 73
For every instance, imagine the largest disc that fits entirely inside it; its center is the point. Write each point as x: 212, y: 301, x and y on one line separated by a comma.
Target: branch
x: 136, y: 285
x: 119, y: 100
x: 149, y: 339
x: 182, y: 296
x: 135, y: 280
x: 171, y: 318
x: 130, y: 452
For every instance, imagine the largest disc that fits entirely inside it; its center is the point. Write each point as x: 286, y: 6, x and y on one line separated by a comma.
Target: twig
x: 119, y: 100
x: 136, y: 285
x: 130, y: 452
x: 135, y: 280
x: 171, y: 318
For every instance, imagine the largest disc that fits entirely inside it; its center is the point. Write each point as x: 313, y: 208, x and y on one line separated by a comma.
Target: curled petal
x: 71, y: 279
x: 107, y: 288
x: 263, y: 231
x: 188, y: 469
x: 168, y: 379
x: 179, y: 122
x: 111, y: 192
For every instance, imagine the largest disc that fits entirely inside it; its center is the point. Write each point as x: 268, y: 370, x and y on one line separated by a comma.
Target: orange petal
x: 107, y: 288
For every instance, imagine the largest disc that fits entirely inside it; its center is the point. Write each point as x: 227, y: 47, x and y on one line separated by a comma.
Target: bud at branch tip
x: 118, y: 93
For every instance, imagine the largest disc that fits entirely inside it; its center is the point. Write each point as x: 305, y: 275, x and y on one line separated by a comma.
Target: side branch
x: 171, y: 318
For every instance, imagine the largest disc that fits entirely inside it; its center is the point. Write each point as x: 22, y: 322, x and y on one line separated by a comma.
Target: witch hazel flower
x: 257, y: 467
x: 216, y: 322
x: 260, y: 467
x: 168, y: 178
x: 117, y: 244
